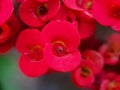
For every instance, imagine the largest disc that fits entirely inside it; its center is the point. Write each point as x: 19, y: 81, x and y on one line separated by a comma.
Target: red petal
x: 28, y: 38
x: 6, y: 9
x: 62, y: 31
x: 32, y: 68
x: 64, y: 63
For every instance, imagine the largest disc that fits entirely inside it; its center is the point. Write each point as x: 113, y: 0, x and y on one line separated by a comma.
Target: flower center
x: 36, y: 53
x: 85, y: 4
x: 114, y: 49
x: 115, y: 11
x: 89, y: 5
x: 59, y: 48
x: 112, y: 86
x: 42, y: 9
x: 85, y: 72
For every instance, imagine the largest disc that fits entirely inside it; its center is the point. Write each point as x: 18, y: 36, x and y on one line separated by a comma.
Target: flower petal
x: 28, y: 38
x: 6, y: 9
x: 32, y: 68
x: 72, y: 4
x: 62, y: 31
x: 64, y: 63
x: 14, y: 24
x: 101, y: 12
x: 87, y: 25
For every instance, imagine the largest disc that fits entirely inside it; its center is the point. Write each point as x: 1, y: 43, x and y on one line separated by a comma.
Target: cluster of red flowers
x: 58, y: 36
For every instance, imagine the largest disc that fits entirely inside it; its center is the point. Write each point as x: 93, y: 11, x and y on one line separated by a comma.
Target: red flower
x: 6, y: 9
x: 110, y: 57
x: 114, y: 38
x: 110, y: 84
x: 107, y: 13
x: 61, y: 52
x: 96, y: 58
x: 36, y: 13
x: 30, y: 44
x: 84, y: 75
x: 111, y: 50
x: 8, y: 33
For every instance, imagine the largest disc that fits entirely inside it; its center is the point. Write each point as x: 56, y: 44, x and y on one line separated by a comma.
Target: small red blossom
x: 96, y: 58
x: 110, y: 57
x: 61, y: 51
x: 8, y: 34
x: 36, y: 13
x: 84, y: 75
x: 108, y: 84
x: 111, y: 50
x: 107, y: 13
x: 31, y: 47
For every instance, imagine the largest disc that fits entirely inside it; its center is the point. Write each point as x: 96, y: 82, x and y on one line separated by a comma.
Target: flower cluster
x: 58, y: 36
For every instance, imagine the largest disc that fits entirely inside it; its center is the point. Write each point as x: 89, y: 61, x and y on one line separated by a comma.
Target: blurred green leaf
x: 8, y: 72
